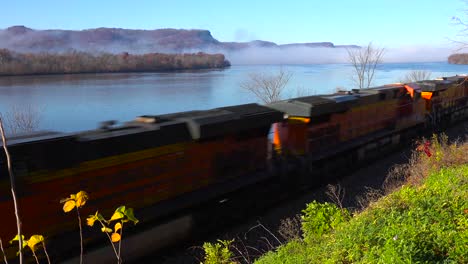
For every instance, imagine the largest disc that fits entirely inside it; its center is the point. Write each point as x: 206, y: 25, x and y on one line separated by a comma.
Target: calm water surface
x: 79, y: 102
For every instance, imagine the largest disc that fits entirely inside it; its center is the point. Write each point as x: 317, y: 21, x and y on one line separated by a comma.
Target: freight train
x: 160, y: 164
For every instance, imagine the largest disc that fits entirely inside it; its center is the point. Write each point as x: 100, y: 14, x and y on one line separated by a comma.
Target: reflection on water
x: 79, y: 102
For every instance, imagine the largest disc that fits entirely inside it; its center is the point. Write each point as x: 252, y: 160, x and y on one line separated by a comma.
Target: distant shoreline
x: 115, y: 72
x: 458, y: 58
x: 75, y: 62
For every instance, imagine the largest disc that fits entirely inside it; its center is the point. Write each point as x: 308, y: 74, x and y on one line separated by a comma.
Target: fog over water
x: 79, y: 102
x: 305, y: 55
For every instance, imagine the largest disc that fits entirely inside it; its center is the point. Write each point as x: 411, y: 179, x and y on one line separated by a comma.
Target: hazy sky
x: 390, y: 23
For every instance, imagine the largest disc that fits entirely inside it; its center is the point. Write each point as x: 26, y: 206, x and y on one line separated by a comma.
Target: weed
x: 336, y: 193
x: 218, y: 253
x: 76, y: 201
x: 320, y: 218
x: 120, y: 216
x: 33, y: 243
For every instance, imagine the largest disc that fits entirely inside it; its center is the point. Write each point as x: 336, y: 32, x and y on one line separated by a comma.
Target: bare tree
x: 22, y: 119
x: 416, y: 75
x: 267, y: 88
x: 364, y: 61
x: 461, y: 39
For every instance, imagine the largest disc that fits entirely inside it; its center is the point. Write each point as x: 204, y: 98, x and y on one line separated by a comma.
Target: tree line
x: 14, y: 63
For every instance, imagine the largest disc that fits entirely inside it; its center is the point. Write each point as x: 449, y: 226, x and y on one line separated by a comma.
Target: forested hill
x: 117, y: 40
x: 458, y: 58
x: 13, y: 63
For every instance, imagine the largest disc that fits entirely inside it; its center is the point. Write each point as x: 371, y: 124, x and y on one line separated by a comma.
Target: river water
x: 79, y: 102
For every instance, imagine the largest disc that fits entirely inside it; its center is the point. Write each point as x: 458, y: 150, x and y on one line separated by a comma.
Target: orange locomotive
x: 156, y: 164
x: 358, y: 124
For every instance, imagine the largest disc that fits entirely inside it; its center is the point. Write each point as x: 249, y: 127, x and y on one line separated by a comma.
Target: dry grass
x: 336, y: 193
x: 430, y: 155
x: 290, y: 228
x: 371, y: 195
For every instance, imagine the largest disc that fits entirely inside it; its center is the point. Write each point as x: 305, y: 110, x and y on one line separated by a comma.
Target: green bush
x: 218, y: 253
x: 425, y: 223
x: 320, y: 218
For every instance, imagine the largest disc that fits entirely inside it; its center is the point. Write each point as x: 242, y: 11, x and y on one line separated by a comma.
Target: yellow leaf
x: 68, y: 206
x: 90, y: 220
x: 115, y: 237
x: 116, y: 216
x: 34, y: 241
x: 81, y: 198
x: 106, y: 230
x: 16, y: 238
x: 117, y: 227
x: 72, y: 197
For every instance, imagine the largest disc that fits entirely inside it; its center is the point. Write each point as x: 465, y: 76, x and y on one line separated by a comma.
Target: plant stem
x: 13, y: 192
x: 34, y: 254
x: 112, y: 243
x: 3, y: 251
x: 120, y: 242
x: 81, y: 235
x: 45, y: 251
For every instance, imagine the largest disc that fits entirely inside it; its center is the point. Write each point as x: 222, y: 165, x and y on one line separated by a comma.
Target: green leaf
x: 130, y: 216
x: 121, y: 209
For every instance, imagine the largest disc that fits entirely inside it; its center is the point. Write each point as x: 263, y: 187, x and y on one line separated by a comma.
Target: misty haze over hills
x: 117, y: 40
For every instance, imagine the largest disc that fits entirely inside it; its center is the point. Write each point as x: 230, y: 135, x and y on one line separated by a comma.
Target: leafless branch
x: 243, y: 254
x: 461, y: 38
x: 22, y: 119
x: 3, y: 252
x: 267, y: 88
x: 266, y: 229
x: 13, y: 191
x: 364, y: 62
x: 416, y: 75
x: 336, y: 193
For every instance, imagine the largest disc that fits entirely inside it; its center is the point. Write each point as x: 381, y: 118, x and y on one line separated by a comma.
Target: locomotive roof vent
x: 150, y: 119
x: 343, y: 92
x: 106, y: 125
